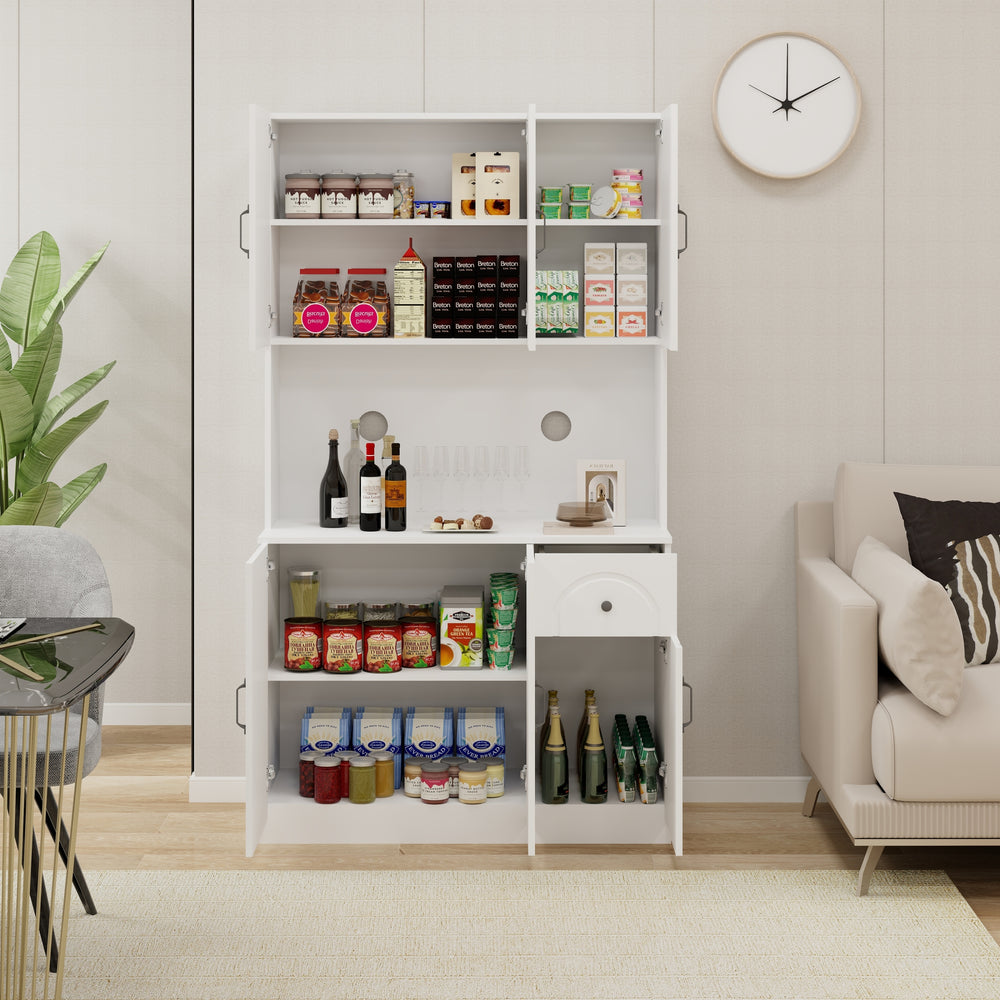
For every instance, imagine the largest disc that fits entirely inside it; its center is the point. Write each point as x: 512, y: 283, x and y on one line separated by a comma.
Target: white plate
x: 467, y: 531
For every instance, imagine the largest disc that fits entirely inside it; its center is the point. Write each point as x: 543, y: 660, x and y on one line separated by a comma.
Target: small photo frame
x: 603, y: 479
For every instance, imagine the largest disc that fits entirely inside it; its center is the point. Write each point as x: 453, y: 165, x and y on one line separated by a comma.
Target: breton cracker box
x: 599, y: 321
x: 463, y: 184
x: 498, y: 185
x: 631, y: 321
x: 480, y: 734
x: 430, y: 732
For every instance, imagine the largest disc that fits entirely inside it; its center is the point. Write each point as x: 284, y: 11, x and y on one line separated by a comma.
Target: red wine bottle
x: 395, y: 493
x: 333, y: 490
x: 370, y: 489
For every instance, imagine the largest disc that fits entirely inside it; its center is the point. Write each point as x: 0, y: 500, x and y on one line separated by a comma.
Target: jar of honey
x: 385, y: 773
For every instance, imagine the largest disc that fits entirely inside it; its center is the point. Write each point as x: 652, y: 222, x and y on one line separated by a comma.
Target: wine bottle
x: 594, y: 775
x: 546, y: 726
x: 581, y: 730
x: 353, y: 461
x: 555, y: 764
x: 386, y: 459
x: 370, y: 491
x: 395, y: 493
x: 333, y: 490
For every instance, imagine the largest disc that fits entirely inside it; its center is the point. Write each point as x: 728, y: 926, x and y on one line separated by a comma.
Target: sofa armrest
x: 838, y: 673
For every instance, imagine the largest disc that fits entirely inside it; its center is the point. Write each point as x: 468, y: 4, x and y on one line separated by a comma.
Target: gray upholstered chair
x: 52, y: 573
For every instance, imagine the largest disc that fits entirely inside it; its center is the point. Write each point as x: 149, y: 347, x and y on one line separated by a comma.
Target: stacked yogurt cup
x: 500, y: 622
x: 627, y: 181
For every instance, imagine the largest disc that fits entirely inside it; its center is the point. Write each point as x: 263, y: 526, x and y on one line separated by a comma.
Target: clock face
x: 786, y: 105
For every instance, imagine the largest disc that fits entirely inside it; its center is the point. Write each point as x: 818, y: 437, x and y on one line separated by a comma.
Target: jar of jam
x: 328, y: 788
x: 307, y: 772
x: 472, y: 782
x: 339, y: 196
x: 383, y: 647
x: 434, y: 782
x: 344, y: 758
x: 362, y: 780
x: 303, y: 643
x: 343, y: 645
x: 302, y: 195
x: 385, y: 773
x: 411, y: 777
x: 419, y: 637
x: 374, y: 196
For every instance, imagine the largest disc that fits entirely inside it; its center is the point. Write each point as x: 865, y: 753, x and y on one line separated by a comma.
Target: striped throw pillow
x: 975, y: 592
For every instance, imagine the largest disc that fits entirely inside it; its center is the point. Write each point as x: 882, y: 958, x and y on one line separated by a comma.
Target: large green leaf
x: 31, y: 282
x: 41, y: 456
x: 58, y: 405
x: 58, y: 305
x: 16, y: 418
x: 75, y: 492
x: 5, y: 358
x: 37, y: 366
x: 42, y: 505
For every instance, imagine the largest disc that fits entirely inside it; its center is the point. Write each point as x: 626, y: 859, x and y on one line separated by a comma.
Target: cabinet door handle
x: 246, y: 211
x: 680, y: 211
x: 242, y: 725
x: 605, y: 605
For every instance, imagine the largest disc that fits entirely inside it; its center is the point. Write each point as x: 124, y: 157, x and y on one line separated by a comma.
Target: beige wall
x: 95, y: 106
x: 849, y: 315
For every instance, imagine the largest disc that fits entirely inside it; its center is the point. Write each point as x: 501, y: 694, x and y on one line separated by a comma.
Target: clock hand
x: 766, y: 94
x: 813, y: 91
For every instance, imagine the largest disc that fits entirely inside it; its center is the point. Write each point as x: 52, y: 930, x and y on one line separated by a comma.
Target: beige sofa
x: 895, y: 771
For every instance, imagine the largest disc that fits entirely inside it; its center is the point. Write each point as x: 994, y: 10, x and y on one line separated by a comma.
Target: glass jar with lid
x: 375, y: 196
x: 327, y: 780
x: 472, y: 782
x: 385, y: 773
x: 339, y: 195
x: 362, y: 780
x: 434, y: 782
x: 402, y: 195
x: 302, y: 196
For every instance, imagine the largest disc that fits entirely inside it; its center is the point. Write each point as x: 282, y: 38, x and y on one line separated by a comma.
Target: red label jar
x: 434, y: 782
x: 383, y: 647
x: 327, y: 781
x: 343, y: 645
x: 420, y: 641
x: 303, y: 643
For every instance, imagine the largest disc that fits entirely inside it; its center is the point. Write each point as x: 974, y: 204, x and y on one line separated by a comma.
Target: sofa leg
x: 812, y: 794
x: 872, y: 856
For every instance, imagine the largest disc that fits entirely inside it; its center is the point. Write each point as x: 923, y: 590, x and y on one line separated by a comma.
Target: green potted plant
x: 32, y: 438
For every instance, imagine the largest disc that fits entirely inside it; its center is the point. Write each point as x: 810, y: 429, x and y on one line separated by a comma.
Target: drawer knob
x: 605, y: 605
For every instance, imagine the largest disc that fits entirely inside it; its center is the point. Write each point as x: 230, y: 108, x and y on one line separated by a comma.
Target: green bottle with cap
x: 555, y: 763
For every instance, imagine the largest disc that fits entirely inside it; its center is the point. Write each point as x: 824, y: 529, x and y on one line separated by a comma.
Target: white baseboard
x: 774, y: 789
x: 231, y: 789
x: 749, y: 790
x: 147, y: 713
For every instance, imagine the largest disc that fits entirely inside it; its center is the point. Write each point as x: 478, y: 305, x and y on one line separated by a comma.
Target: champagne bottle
x: 555, y: 764
x: 370, y: 491
x: 581, y: 731
x: 594, y: 774
x: 353, y: 461
x: 333, y: 490
x: 546, y: 726
x: 395, y: 493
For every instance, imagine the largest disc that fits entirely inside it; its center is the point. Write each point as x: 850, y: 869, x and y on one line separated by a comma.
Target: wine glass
x: 439, y: 473
x: 418, y: 469
x: 481, y: 473
x: 501, y: 473
x: 461, y: 469
x: 522, y: 472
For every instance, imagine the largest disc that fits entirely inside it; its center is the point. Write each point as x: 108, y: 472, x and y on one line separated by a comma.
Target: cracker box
x: 498, y: 185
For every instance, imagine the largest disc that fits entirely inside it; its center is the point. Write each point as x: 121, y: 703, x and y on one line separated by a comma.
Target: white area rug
x: 494, y: 935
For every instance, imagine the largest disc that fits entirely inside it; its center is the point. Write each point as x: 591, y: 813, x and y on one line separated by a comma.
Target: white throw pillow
x: 919, y: 634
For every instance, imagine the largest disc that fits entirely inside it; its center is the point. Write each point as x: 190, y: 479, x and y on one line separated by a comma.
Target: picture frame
x: 604, y: 479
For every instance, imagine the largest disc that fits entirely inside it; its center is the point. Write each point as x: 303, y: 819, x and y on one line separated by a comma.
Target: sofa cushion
x: 921, y: 756
x: 955, y: 543
x: 919, y: 635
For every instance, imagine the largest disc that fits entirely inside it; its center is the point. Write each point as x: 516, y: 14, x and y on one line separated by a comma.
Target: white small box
x: 632, y: 290
x: 631, y: 321
x: 598, y: 290
x: 463, y: 184
x: 599, y: 321
x: 498, y: 185
x: 632, y: 258
x: 598, y: 258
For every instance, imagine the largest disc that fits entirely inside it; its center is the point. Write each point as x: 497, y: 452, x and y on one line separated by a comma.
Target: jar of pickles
x: 362, y: 780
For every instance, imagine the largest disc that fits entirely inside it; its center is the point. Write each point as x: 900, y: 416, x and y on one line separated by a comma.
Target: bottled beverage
x: 353, y: 461
x: 370, y: 491
x: 386, y: 459
x: 333, y: 491
x: 555, y: 764
x: 395, y: 493
x: 547, y: 725
x: 581, y: 730
x: 594, y: 773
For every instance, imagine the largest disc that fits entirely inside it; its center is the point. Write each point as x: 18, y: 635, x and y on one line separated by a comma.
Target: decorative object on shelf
x: 583, y: 513
x: 604, y: 479
x: 786, y: 105
x: 32, y: 304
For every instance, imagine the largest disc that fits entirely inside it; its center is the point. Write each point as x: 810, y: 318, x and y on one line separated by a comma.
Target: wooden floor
x: 136, y: 814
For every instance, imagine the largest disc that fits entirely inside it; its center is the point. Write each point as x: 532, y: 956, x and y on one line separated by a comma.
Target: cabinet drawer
x: 603, y: 594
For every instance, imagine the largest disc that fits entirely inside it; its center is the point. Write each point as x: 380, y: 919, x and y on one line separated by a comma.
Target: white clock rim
x: 840, y: 150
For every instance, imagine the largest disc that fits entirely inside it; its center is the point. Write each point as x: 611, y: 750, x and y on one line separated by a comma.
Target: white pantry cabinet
x: 595, y: 610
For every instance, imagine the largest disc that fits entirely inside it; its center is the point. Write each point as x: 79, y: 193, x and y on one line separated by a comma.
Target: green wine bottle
x: 555, y: 764
x: 589, y: 701
x: 546, y: 726
x: 594, y: 782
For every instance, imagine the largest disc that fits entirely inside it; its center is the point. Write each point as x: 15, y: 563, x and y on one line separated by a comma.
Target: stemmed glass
x: 461, y: 468
x: 501, y: 473
x: 481, y: 473
x: 417, y: 470
x: 439, y: 473
x: 522, y: 472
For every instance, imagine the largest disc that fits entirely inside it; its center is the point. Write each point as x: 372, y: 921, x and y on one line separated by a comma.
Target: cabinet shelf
x: 497, y: 222
x: 429, y: 675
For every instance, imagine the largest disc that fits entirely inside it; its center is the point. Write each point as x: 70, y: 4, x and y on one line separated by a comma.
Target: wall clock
x: 786, y: 105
